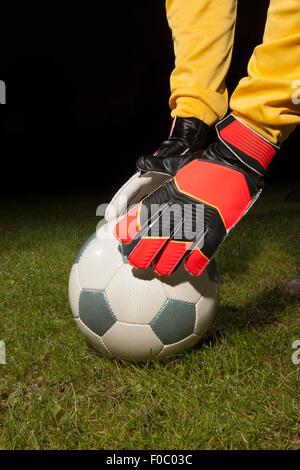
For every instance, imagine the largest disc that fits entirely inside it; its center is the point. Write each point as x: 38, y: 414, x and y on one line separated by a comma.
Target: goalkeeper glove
x: 190, y: 215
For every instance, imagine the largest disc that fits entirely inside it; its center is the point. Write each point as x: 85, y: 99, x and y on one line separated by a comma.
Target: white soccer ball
x: 136, y: 314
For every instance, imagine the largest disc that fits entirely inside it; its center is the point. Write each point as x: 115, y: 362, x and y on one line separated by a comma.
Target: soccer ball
x: 136, y: 314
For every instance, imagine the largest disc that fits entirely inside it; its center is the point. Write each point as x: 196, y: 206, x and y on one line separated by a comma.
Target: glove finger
x: 196, y: 262
x: 145, y: 251
x: 138, y: 221
x: 128, y: 227
x: 171, y: 256
x: 165, y: 221
x: 205, y: 247
x: 176, y: 250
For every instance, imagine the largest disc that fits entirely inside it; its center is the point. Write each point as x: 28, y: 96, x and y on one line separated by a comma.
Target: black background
x: 88, y: 88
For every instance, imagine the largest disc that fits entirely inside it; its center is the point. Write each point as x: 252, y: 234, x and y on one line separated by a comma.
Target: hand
x: 189, y: 216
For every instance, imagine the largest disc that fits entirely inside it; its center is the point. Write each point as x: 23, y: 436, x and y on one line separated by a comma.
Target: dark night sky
x: 88, y: 87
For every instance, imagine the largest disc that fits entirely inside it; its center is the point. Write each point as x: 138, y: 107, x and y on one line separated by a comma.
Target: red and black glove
x: 190, y: 215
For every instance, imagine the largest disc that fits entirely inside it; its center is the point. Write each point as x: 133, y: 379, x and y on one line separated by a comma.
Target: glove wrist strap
x: 249, y: 147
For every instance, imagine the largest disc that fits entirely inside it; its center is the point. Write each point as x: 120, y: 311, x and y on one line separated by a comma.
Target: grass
x: 237, y: 389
